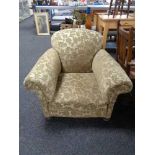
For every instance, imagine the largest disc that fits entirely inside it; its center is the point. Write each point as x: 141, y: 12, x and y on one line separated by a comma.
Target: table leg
x: 95, y: 20
x: 99, y: 28
x: 105, y: 33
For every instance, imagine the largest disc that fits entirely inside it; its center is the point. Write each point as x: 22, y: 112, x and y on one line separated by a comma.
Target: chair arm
x: 111, y: 78
x: 43, y: 76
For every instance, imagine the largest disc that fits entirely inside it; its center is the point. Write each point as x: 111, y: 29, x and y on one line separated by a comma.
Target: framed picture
x: 42, y: 23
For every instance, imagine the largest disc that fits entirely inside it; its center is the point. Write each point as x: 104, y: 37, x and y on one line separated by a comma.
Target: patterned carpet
x: 66, y: 136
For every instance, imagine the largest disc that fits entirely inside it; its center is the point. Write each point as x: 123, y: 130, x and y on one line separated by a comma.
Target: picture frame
x: 42, y: 23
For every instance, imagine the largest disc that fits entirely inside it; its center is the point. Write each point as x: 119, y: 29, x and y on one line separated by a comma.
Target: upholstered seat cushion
x: 77, y: 95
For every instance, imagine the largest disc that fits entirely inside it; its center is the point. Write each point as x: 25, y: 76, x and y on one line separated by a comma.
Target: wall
x: 24, y: 11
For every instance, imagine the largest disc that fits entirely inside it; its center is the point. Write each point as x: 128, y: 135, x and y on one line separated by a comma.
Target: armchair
x: 76, y: 78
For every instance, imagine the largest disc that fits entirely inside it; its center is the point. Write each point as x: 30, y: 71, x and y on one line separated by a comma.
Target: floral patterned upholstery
x: 76, y: 48
x: 76, y: 78
x: 111, y: 78
x: 74, y: 89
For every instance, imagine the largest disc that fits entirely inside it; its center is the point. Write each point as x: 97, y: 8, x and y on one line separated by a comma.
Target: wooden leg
x: 95, y: 20
x: 106, y: 119
x: 100, y: 29
x: 47, y: 118
x: 99, y: 24
x: 105, y: 33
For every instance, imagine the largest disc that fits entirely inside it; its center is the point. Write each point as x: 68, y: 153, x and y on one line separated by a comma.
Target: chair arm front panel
x: 111, y: 78
x: 43, y: 76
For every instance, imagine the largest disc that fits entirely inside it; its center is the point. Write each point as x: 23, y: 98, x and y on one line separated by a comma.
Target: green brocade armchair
x: 76, y: 77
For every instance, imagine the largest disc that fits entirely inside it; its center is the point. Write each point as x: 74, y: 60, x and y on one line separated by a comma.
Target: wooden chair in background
x: 118, y: 9
x: 125, y: 49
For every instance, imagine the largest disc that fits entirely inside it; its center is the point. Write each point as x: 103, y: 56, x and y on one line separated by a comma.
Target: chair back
x: 125, y: 47
x: 76, y: 48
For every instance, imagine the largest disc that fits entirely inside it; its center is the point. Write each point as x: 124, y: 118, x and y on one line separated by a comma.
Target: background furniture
x: 56, y: 19
x: 105, y: 23
x: 119, y: 7
x: 92, y: 7
x: 76, y: 78
x: 126, y: 49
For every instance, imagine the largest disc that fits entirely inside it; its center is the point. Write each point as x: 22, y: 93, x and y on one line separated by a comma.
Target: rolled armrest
x: 43, y: 76
x: 111, y: 78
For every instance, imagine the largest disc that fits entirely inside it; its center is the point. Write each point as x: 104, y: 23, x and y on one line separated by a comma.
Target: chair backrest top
x: 76, y: 48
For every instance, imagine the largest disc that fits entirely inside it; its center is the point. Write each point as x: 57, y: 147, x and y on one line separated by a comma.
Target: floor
x: 66, y: 136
